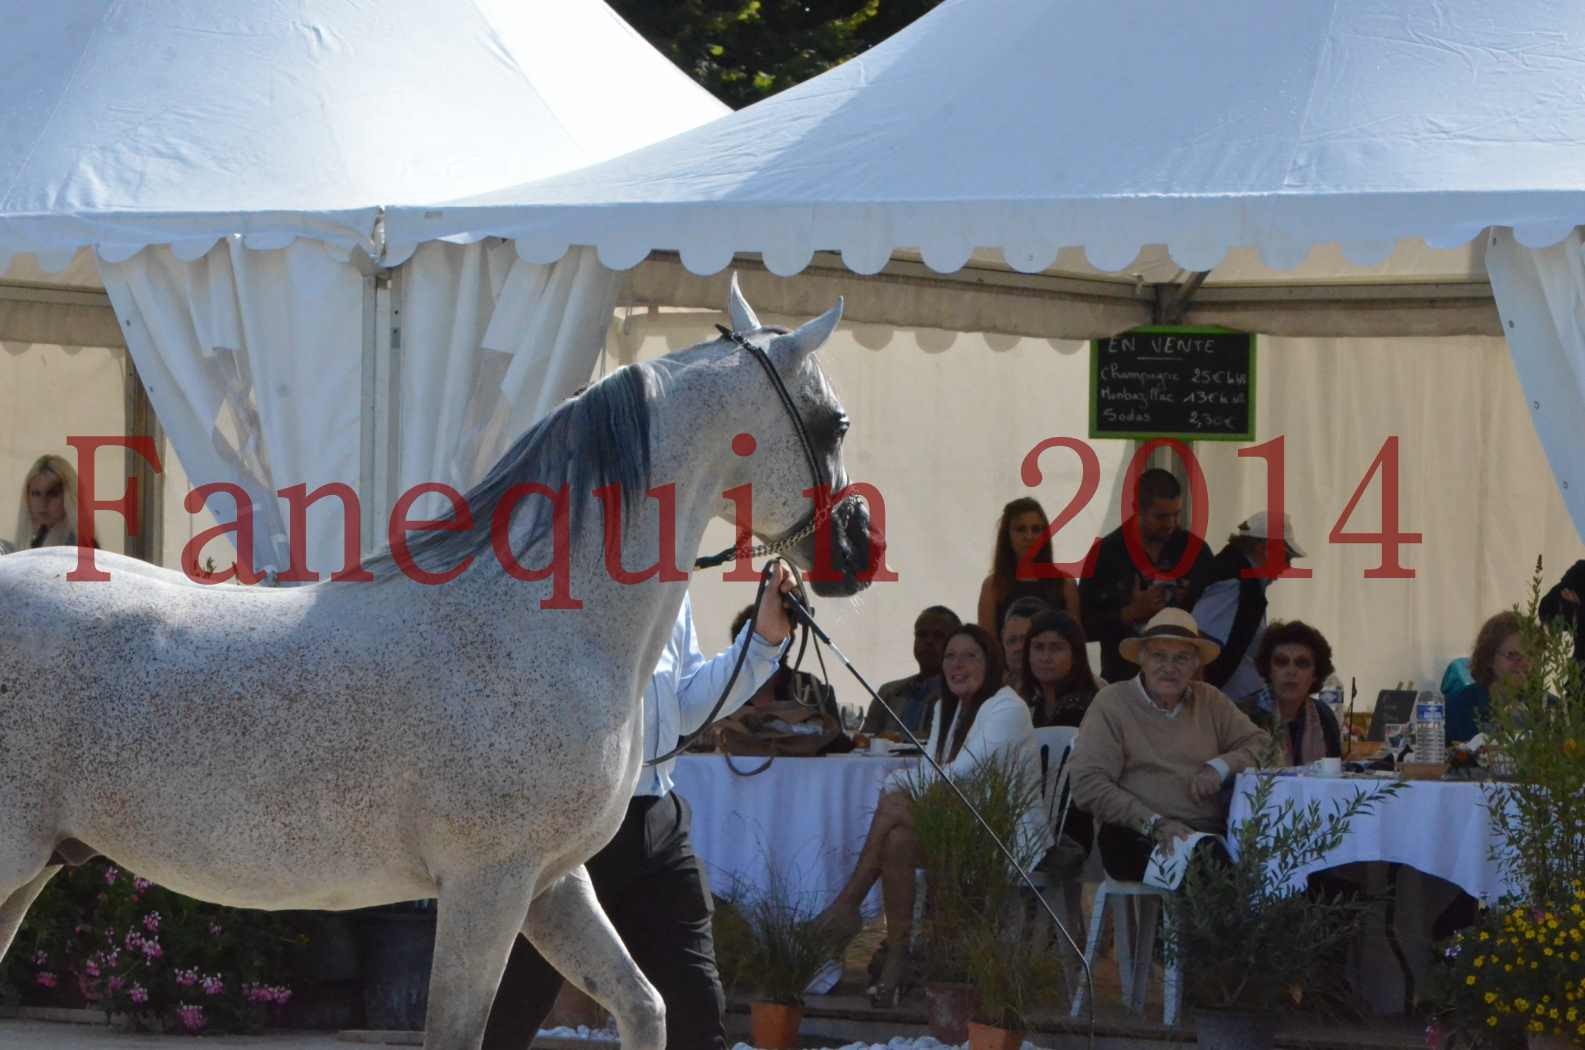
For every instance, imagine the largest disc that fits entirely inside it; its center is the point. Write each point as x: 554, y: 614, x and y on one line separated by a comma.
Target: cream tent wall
x: 943, y: 420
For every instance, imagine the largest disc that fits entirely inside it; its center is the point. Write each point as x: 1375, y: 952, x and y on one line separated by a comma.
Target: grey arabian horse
x: 343, y: 745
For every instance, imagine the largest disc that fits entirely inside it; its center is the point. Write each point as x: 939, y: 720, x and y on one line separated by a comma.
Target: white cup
x: 1328, y: 767
x: 880, y: 746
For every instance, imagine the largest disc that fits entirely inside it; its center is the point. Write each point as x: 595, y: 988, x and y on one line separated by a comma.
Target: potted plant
x: 1011, y: 976
x: 787, y: 950
x: 969, y: 884
x: 1235, y: 927
x: 1518, y: 974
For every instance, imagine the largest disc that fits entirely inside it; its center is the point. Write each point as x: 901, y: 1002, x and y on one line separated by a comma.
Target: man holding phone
x: 1116, y: 597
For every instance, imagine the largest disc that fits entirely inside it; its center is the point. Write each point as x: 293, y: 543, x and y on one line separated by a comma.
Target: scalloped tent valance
x: 1028, y: 126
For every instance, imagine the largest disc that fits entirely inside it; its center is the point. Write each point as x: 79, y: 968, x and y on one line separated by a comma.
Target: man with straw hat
x: 1155, y: 751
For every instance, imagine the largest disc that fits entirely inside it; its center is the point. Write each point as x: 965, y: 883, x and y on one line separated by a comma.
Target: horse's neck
x: 687, y: 465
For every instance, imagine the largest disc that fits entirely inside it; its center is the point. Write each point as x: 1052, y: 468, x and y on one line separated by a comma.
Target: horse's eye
x: 842, y: 425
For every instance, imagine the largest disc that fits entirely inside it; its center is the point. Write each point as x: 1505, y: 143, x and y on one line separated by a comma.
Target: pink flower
x: 191, y: 1017
x: 134, y: 940
x: 141, y: 885
x: 138, y: 994
x: 44, y: 979
x: 91, y: 968
x: 111, y: 875
x: 41, y: 958
x: 215, y: 929
x: 152, y: 949
x: 115, y: 985
x: 213, y: 985
x: 186, y: 978
x: 151, y: 922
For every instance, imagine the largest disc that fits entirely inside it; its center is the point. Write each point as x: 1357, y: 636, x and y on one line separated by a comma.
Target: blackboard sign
x: 1196, y: 384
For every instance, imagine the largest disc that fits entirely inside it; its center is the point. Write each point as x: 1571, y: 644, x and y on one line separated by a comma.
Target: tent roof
x: 1030, y: 125
x: 183, y: 121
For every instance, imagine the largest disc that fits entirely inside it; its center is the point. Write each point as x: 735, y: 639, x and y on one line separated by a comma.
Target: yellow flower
x: 1486, y: 936
x: 1547, y: 952
x: 1522, y: 1005
x: 1491, y: 1021
x: 1491, y: 997
x: 1470, y: 980
x: 1507, y: 968
x: 1480, y: 960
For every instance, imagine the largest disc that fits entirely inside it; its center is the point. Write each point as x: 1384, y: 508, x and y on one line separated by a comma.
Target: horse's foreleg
x: 570, y: 929
x: 14, y: 906
x: 480, y: 914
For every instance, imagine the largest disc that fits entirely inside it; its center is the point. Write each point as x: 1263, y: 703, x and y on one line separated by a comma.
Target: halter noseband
x: 819, y: 514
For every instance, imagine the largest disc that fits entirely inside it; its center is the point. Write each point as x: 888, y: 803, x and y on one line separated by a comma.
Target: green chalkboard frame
x: 1169, y: 329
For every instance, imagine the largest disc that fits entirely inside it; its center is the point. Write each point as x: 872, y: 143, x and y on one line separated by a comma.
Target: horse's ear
x: 738, y: 311
x: 790, y: 349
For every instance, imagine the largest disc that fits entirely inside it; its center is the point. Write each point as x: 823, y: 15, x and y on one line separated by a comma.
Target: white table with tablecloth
x: 1440, y: 828
x: 1423, y: 842
x: 802, y: 820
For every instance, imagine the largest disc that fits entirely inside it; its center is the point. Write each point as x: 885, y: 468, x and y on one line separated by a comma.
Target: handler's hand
x: 771, y: 622
x: 1205, y: 784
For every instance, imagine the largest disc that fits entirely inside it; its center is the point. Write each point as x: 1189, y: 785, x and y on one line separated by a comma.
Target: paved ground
x: 43, y: 1035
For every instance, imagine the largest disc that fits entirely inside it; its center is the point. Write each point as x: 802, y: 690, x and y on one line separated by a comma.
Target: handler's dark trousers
x: 654, y: 890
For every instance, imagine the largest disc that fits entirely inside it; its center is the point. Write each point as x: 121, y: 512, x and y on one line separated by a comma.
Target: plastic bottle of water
x: 1430, y: 728
x: 1331, y: 695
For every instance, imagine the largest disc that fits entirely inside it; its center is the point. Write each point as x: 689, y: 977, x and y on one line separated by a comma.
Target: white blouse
x: 1003, y: 730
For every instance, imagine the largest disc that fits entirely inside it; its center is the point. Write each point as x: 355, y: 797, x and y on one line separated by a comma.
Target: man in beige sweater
x: 1155, y: 751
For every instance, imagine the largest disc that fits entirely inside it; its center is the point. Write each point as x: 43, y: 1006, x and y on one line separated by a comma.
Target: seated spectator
x: 1232, y: 608
x: 1562, y: 602
x: 1499, y: 657
x: 978, y: 720
x: 1023, y: 523
x: 1014, y: 629
x: 1294, y: 659
x: 1117, y: 596
x: 47, y: 513
x: 914, y: 698
x: 1056, y: 679
x: 1154, y: 752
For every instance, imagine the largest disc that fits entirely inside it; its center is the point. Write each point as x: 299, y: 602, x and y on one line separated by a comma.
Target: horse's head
x: 797, y: 449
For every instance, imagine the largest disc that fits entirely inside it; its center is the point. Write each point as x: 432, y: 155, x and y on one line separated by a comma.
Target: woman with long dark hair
x: 1056, y: 679
x: 1020, y: 529
x: 978, y: 719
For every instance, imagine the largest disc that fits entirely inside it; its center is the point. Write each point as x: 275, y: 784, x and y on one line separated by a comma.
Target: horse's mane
x: 598, y: 437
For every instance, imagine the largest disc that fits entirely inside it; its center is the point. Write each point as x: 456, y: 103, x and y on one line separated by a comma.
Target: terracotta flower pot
x: 774, y: 1026
x: 948, y: 1008
x: 989, y: 1037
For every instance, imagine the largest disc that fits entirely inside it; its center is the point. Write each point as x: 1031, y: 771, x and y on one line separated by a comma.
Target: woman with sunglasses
x: 1294, y: 659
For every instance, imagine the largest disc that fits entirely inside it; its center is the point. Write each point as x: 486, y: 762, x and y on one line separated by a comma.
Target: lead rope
x: 802, y: 613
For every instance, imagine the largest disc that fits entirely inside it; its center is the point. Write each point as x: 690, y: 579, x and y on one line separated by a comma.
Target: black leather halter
x: 819, y: 513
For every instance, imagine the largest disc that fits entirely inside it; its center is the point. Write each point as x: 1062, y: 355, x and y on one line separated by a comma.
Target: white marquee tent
x: 223, y: 170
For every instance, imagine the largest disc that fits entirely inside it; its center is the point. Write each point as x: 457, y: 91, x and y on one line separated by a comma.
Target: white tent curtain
x: 1540, y: 295
x: 490, y: 344
x: 251, y: 391
x: 267, y: 397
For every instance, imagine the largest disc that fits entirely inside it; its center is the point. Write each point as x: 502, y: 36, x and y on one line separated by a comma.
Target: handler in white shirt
x: 648, y: 879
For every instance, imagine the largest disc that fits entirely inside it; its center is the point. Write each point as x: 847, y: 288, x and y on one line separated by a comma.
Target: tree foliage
x: 745, y: 50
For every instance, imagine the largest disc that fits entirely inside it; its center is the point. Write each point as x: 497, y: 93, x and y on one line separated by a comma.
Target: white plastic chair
x: 1133, y: 960
x: 1067, y: 897
x: 1125, y: 898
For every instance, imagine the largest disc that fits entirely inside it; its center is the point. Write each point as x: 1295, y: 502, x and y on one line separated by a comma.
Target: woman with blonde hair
x: 47, y: 511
